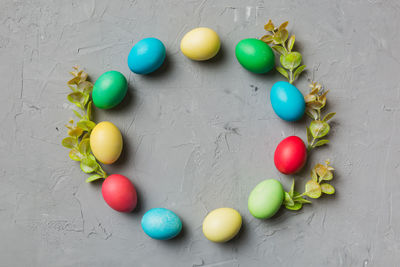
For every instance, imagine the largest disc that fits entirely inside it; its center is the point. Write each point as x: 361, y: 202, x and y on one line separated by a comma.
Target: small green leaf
x: 84, y: 146
x: 283, y: 72
x: 89, y: 110
x: 75, y: 132
x: 69, y: 142
x: 296, y: 206
x: 319, y: 128
x: 279, y: 49
x: 313, y: 189
x: 76, y: 98
x: 309, y: 136
x: 269, y: 26
x: 267, y: 38
x: 77, y: 114
x: 321, y: 142
x: 327, y: 176
x: 86, y: 125
x: 314, y: 175
x: 94, y: 177
x: 329, y: 116
x: 89, y: 164
x: 298, y: 71
x: 75, y: 155
x: 283, y: 35
x: 86, y: 98
x: 291, y: 60
x: 288, y: 201
x: 291, y: 43
x: 312, y: 113
x: 327, y: 189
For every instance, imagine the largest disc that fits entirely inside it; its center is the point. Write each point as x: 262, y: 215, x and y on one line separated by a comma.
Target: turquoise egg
x: 146, y: 56
x: 287, y: 101
x: 161, y: 224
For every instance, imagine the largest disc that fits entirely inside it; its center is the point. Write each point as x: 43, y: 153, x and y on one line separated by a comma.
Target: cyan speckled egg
x: 161, y: 224
x: 146, y: 56
x: 287, y: 101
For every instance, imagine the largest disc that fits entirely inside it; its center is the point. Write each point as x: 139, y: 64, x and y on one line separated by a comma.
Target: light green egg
x: 266, y: 199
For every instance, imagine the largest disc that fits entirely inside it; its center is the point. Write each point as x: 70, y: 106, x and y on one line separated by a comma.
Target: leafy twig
x: 290, y: 60
x: 314, y: 188
x: 79, y: 134
x: 319, y: 127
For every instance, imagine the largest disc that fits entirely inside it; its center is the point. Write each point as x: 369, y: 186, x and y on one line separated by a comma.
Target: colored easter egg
x: 146, y: 56
x: 266, y: 199
x: 106, y: 142
x: 290, y: 155
x: 287, y: 101
x: 200, y: 44
x: 119, y: 193
x: 161, y: 224
x: 222, y: 224
x: 109, y: 89
x: 255, y: 55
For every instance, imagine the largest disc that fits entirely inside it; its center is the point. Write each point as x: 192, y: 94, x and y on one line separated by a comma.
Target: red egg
x: 119, y: 193
x: 290, y: 155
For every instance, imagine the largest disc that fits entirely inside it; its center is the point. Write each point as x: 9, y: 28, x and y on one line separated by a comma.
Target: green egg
x: 109, y: 89
x: 266, y: 199
x: 255, y: 55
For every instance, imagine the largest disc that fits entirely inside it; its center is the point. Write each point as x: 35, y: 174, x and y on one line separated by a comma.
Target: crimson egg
x: 290, y: 155
x: 119, y: 193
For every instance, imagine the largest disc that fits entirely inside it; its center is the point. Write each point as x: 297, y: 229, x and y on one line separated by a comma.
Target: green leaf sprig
x: 314, y: 188
x: 290, y: 60
x: 319, y: 127
x: 78, y: 140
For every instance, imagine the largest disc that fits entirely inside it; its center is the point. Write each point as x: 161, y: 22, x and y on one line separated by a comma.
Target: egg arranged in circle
x: 266, y: 199
x: 287, y: 101
x: 290, y: 155
x: 200, y: 44
x: 161, y: 224
x: 109, y: 89
x: 106, y: 142
x: 255, y: 55
x: 221, y: 225
x: 146, y: 56
x: 119, y: 193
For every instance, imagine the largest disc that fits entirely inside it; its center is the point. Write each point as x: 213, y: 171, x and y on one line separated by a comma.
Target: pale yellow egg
x: 222, y: 224
x: 106, y: 142
x: 200, y: 44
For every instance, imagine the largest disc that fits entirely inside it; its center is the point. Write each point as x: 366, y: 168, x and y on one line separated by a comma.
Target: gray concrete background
x: 198, y: 136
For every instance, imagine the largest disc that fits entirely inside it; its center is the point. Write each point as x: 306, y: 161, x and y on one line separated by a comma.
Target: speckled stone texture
x: 198, y: 135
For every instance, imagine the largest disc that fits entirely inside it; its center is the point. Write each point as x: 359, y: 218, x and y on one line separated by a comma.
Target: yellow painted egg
x: 200, y: 44
x: 106, y: 142
x: 221, y: 225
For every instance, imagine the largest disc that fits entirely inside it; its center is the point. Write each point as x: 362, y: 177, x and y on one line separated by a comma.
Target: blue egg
x: 161, y: 224
x: 287, y: 101
x: 146, y: 56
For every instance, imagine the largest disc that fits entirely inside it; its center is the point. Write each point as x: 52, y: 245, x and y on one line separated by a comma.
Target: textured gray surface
x: 198, y: 136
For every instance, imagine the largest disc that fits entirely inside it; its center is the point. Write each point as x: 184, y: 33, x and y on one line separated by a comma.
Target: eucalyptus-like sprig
x: 79, y: 134
x: 290, y: 60
x: 319, y: 127
x: 314, y: 188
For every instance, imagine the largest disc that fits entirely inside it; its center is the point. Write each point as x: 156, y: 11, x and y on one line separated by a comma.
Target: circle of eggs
x: 255, y: 55
x: 287, y: 101
x: 109, y: 89
x: 106, y: 142
x: 221, y: 225
x: 266, y: 199
x: 200, y: 44
x: 146, y: 56
x: 161, y: 224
